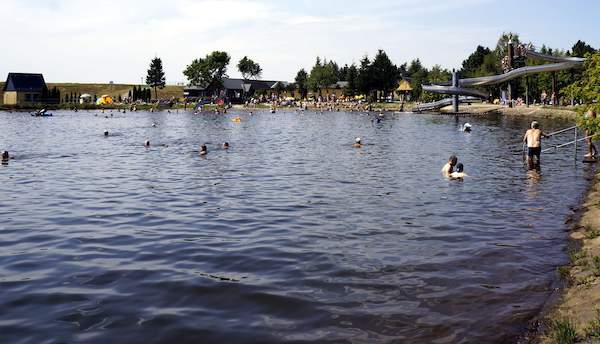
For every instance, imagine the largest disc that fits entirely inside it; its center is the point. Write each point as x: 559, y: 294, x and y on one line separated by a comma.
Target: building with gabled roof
x: 24, y: 88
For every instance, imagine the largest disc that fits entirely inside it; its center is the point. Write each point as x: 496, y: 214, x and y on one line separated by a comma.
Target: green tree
x: 302, y: 83
x: 418, y: 75
x: 502, y: 45
x: 365, y: 82
x: 385, y: 75
x: 587, y: 90
x: 474, y: 64
x: 580, y: 49
x: 208, y: 71
x: 156, y: 76
x: 249, y: 69
x: 322, y: 75
x: 352, y: 78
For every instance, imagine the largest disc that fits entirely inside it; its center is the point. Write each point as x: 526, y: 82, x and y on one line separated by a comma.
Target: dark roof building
x: 233, y: 89
x: 24, y: 88
x: 24, y: 82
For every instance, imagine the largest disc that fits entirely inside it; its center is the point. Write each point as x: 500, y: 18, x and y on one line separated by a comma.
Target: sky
x: 114, y: 40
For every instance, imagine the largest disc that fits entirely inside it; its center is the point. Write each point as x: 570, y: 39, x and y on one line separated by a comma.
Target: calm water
x: 290, y: 236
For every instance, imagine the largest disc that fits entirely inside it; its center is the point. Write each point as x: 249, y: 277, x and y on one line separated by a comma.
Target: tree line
x: 378, y: 77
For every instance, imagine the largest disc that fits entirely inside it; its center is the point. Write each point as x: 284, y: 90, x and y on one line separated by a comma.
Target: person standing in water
x: 533, y: 139
x: 592, y: 151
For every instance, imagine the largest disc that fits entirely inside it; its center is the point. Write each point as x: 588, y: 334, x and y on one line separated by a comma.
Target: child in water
x: 203, y: 150
x: 448, y: 169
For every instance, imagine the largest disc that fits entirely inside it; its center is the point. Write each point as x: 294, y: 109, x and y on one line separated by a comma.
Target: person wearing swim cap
x: 147, y: 143
x: 533, y: 138
x: 106, y: 133
x: 467, y: 128
x: 357, y: 143
x: 225, y: 145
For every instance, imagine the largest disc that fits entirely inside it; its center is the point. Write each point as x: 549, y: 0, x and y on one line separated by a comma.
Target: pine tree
x: 156, y: 76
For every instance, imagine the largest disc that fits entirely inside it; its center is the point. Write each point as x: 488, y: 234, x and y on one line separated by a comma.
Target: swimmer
x: 357, y: 143
x: 153, y: 125
x: 5, y: 156
x: 467, y: 128
x: 106, y: 133
x: 449, y: 167
x: 203, y: 150
x: 147, y: 143
x: 225, y: 145
x: 459, y: 174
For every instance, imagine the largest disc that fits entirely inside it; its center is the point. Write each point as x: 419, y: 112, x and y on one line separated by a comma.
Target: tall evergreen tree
x: 352, y: 79
x: 156, y: 76
x: 302, y: 83
x: 385, y: 75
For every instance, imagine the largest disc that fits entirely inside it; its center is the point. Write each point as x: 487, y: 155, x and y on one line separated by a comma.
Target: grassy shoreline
x: 575, y: 317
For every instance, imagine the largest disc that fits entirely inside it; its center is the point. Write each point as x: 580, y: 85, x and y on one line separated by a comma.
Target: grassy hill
x: 100, y: 89
x: 113, y: 90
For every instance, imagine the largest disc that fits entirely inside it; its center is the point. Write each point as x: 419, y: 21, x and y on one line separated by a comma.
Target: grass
x: 563, y: 332
x: 564, y: 272
x: 593, y: 328
x: 595, y: 266
x: 113, y: 90
x: 592, y: 233
x: 576, y: 256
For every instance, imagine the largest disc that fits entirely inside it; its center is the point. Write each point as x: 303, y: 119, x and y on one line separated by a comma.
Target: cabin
x: 24, y: 88
x: 235, y: 90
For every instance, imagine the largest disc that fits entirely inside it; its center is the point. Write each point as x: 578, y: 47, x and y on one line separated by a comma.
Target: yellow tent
x: 104, y: 100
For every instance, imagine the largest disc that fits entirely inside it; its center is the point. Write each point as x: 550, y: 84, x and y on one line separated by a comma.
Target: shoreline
x: 572, y: 314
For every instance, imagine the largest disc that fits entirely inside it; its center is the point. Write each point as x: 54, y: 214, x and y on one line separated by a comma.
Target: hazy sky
x: 109, y: 40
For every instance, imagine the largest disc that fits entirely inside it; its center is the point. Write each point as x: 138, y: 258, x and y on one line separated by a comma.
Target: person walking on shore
x: 533, y: 139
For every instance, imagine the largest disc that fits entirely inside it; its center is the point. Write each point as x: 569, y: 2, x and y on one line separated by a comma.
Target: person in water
x: 357, y: 143
x: 106, y: 133
x: 448, y: 169
x: 225, y: 145
x: 592, y: 151
x: 203, y: 150
x: 467, y: 128
x: 533, y: 138
x: 5, y: 156
x: 147, y: 143
x: 459, y: 173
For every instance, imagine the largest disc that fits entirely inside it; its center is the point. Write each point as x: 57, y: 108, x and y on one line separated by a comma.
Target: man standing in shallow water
x: 533, y: 138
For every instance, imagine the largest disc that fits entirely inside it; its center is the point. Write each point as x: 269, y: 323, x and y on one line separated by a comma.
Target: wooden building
x: 24, y: 88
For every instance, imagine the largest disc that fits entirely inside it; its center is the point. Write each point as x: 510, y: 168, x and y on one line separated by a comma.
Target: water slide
x: 443, y: 103
x: 558, y: 63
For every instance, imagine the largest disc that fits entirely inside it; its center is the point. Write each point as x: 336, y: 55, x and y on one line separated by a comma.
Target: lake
x: 290, y: 236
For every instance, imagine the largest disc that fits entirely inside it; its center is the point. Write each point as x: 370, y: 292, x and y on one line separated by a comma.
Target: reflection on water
x: 290, y: 235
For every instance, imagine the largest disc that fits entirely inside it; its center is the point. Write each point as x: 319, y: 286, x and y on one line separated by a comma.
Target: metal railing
x: 575, y: 141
